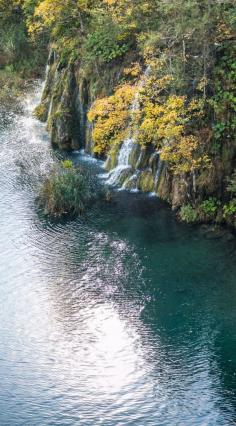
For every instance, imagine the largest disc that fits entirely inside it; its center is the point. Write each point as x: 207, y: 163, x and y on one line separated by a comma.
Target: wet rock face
x: 112, y: 158
x: 62, y: 123
x: 66, y: 99
x: 81, y: 109
x: 43, y: 109
x: 64, y: 106
x: 146, y: 181
x: 135, y: 167
x: 41, y: 112
x: 134, y: 156
x: 180, y: 191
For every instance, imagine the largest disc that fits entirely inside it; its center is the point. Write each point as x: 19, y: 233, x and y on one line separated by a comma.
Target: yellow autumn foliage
x: 166, y: 125
x: 161, y: 119
x: 183, y: 154
x: 49, y: 14
x: 110, y: 117
x: 133, y: 71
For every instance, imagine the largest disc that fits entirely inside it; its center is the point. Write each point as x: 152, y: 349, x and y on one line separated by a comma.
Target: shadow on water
x: 124, y: 317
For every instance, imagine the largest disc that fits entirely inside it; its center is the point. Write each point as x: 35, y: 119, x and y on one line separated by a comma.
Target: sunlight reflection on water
x: 125, y: 318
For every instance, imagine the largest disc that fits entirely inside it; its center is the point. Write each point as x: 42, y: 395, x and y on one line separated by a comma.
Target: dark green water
x: 126, y: 318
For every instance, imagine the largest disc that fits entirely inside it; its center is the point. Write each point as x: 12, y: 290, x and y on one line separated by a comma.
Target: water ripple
x: 120, y: 318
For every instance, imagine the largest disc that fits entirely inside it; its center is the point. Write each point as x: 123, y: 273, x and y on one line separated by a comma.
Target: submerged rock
x: 213, y: 232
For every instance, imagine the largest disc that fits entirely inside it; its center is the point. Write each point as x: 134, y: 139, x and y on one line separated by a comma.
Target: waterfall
x: 45, y: 84
x: 123, y: 164
x: 50, y: 107
x: 132, y: 182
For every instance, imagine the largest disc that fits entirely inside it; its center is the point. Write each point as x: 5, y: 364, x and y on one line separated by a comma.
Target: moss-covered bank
x: 65, y: 102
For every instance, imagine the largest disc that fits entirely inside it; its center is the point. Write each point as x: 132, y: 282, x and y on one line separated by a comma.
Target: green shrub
x: 11, y: 84
x: 188, y: 213
x: 229, y: 209
x: 209, y: 207
x: 13, y: 41
x: 66, y: 191
x: 105, y: 44
x: 67, y: 164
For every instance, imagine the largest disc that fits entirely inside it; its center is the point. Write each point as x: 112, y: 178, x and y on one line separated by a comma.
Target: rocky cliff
x: 66, y: 99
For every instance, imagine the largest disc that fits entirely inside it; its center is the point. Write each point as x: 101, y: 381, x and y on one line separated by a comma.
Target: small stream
x: 125, y: 317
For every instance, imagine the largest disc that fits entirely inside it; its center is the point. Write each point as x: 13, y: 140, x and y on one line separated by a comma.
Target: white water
x: 113, y: 178
x: 98, y: 327
x: 132, y: 182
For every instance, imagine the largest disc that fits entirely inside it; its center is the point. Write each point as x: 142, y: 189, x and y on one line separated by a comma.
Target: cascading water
x: 123, y: 165
x: 98, y: 326
x: 132, y: 182
x: 47, y: 81
x: 123, y: 162
x: 123, y: 174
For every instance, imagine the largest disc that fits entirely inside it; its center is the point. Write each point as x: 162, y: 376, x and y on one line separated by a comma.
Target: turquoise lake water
x: 123, y: 318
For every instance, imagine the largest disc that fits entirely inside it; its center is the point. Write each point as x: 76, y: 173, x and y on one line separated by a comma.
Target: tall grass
x: 66, y: 191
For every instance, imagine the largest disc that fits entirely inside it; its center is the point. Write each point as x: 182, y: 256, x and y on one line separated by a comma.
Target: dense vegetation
x: 21, y: 57
x: 65, y: 192
x: 183, y: 52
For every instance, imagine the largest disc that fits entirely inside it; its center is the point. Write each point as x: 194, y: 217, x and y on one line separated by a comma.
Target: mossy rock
x: 125, y: 175
x: 49, y: 84
x: 146, y: 181
x: 88, y: 140
x: 179, y: 191
x: 131, y: 182
x: 63, y: 122
x: 231, y: 221
x: 219, y: 216
x: 112, y: 158
x: 209, y: 181
x: 41, y: 112
x: 228, y: 156
x: 143, y: 158
x: 134, y: 155
x: 163, y: 190
x: 153, y: 161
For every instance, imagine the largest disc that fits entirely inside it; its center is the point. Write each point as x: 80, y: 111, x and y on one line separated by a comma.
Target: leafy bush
x: 105, y: 44
x: 67, y: 164
x: 11, y: 85
x: 66, y: 191
x: 188, y: 213
x: 210, y: 207
x: 229, y: 209
x: 110, y: 117
x: 14, y: 43
x: 68, y: 50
